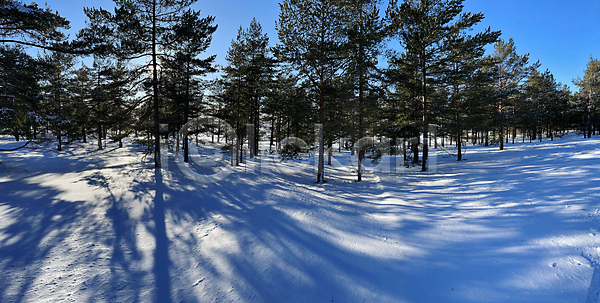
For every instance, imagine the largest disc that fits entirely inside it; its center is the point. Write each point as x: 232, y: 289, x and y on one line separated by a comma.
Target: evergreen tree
x: 81, y: 95
x: 111, y: 98
x: 465, y: 77
x: 313, y: 39
x: 288, y: 109
x: 19, y: 91
x: 546, y: 106
x: 512, y: 70
x: 248, y: 77
x: 589, y: 91
x: 426, y: 29
x: 366, y: 33
x: 183, y: 67
x: 57, y: 98
x: 30, y: 25
x: 141, y: 29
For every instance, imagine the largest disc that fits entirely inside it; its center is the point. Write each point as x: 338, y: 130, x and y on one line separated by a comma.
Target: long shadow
x: 55, y: 245
x: 276, y: 255
x: 124, y: 279
x: 281, y: 238
x: 33, y: 226
x: 162, y: 278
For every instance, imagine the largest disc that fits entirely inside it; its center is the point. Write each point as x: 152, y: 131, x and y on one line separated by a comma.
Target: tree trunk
x: 157, y: 163
x: 425, y: 117
x: 321, y: 135
x: 219, y: 132
x: 256, y: 139
x: 458, y: 139
x: 329, y: 150
x: 589, y: 117
x: 361, y: 130
x: 185, y: 147
x: 415, y: 150
x: 99, y: 136
x: 278, y: 136
x: 404, y: 148
x: 59, y: 137
x: 514, y: 134
x: 250, y: 133
x: 272, y: 133
x: 321, y: 160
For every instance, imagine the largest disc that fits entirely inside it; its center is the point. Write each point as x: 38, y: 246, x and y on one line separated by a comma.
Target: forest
x: 357, y: 68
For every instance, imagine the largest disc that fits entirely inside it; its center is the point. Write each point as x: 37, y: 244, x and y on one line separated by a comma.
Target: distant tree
x: 465, y: 76
x: 58, y: 81
x: 470, y: 92
x: 248, y: 77
x: 512, y: 69
x: 19, y: 90
x: 288, y: 109
x: 111, y: 97
x: 313, y: 40
x: 366, y: 33
x: 140, y: 29
x: 182, y: 66
x: 401, y: 111
x: 589, y: 90
x: 426, y: 30
x: 81, y: 94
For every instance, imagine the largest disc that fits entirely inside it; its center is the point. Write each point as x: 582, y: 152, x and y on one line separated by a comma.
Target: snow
x: 19, y: 7
x: 82, y: 225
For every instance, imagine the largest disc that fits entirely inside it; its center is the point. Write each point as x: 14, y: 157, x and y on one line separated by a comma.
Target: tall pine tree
x: 313, y: 40
x: 426, y: 29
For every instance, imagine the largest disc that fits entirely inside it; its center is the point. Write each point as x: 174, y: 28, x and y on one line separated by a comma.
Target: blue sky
x: 560, y: 34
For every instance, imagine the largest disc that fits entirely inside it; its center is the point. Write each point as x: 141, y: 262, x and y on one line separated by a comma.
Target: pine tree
x: 288, y: 109
x: 19, y: 90
x: 248, y: 77
x: 313, y: 40
x: 183, y: 67
x: 30, y: 25
x: 589, y: 90
x: 57, y: 85
x: 81, y: 95
x: 426, y: 29
x: 465, y: 76
x: 366, y: 34
x: 512, y: 70
x: 139, y: 29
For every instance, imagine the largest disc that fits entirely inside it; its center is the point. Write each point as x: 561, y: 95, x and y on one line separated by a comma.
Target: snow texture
x: 82, y: 225
x: 19, y: 7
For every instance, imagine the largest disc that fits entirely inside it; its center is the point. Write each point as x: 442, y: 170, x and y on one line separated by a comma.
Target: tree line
x: 357, y: 68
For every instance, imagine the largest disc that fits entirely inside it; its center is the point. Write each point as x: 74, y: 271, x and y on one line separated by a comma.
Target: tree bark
x: 157, y: 162
x: 425, y: 118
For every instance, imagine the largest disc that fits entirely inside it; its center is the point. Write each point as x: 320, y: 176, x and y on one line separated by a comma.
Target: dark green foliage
x: 149, y: 66
x: 30, y: 25
x: 432, y: 34
x: 247, y: 82
x: 511, y: 70
x: 19, y: 91
x: 588, y: 98
x: 151, y: 29
x: 314, y: 39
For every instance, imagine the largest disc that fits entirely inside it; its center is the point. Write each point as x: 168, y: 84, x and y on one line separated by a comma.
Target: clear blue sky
x: 560, y: 34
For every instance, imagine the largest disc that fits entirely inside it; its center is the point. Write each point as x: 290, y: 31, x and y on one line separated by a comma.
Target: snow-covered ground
x: 519, y: 225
